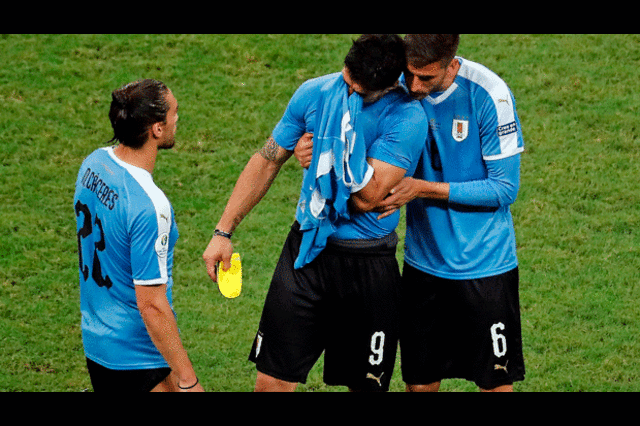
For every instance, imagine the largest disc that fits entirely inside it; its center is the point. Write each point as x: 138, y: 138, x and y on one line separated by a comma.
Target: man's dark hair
x: 375, y: 61
x: 425, y: 49
x: 135, y: 107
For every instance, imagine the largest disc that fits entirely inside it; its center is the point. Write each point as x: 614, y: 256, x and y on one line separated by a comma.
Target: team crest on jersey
x: 460, y: 129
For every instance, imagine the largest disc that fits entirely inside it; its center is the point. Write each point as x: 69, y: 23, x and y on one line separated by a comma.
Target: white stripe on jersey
x: 163, y: 215
x: 502, y: 100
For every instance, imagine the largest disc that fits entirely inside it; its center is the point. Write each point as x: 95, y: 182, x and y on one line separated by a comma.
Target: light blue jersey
x: 474, y: 144
x: 395, y: 129
x: 126, y: 234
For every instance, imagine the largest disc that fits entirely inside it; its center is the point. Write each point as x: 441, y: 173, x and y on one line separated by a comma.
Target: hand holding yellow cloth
x: 230, y: 281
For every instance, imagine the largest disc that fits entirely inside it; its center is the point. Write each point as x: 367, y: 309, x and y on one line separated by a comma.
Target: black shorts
x: 344, y: 303
x: 468, y: 329
x: 125, y: 381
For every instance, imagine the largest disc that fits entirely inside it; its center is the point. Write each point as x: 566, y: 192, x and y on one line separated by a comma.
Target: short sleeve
x: 402, y: 138
x: 500, y: 132
x: 149, y: 234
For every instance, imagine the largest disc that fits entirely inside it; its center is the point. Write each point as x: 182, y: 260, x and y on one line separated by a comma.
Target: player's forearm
x: 408, y: 190
x: 480, y: 193
x: 431, y: 190
x: 253, y: 183
x: 383, y: 179
x: 500, y: 188
x: 163, y: 330
x: 368, y: 198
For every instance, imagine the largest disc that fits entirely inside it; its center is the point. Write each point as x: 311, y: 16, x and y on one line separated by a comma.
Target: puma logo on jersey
x: 501, y: 367
x: 377, y: 379
x: 162, y: 215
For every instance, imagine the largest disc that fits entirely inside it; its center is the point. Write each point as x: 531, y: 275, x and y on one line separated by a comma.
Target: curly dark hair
x: 135, y: 107
x: 375, y: 61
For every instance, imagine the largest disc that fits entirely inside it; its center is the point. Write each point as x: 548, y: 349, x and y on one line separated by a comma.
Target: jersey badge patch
x: 460, y: 130
x: 162, y: 245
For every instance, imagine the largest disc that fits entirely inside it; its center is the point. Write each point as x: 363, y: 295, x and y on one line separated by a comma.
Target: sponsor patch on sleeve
x: 507, y: 129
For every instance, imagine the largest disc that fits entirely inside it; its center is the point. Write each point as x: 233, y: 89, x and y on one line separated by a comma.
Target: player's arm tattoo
x: 271, y: 151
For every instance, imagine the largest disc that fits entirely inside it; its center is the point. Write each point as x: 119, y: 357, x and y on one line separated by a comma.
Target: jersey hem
x: 142, y: 366
x: 463, y: 276
x: 155, y: 281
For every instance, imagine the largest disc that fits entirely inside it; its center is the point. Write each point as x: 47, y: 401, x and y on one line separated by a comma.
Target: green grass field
x: 577, y: 215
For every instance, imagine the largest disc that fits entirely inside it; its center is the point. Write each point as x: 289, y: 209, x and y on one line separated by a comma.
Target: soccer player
x: 460, y: 277
x: 345, y: 301
x: 126, y: 233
